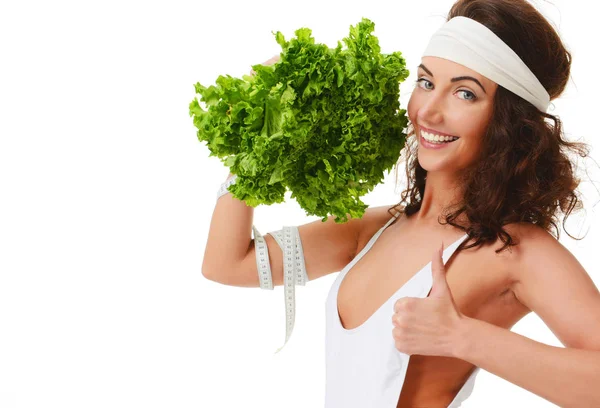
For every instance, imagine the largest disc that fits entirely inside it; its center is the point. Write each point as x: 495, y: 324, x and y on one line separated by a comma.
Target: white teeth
x: 437, y: 138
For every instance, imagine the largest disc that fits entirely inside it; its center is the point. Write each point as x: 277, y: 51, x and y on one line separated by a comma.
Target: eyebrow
x: 456, y: 79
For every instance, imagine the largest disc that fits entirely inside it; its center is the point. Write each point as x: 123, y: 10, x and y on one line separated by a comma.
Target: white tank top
x: 363, y: 366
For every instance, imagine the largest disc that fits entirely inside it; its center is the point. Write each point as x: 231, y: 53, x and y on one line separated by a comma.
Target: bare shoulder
x: 529, y: 238
x: 372, y: 220
x: 536, y: 247
x: 552, y: 283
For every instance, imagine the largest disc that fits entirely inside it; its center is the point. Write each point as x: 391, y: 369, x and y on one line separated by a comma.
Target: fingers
x: 270, y: 61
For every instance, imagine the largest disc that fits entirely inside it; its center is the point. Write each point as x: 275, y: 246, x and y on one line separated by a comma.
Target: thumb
x: 438, y: 271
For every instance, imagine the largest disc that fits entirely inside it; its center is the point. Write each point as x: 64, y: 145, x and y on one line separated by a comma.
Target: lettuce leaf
x: 323, y: 123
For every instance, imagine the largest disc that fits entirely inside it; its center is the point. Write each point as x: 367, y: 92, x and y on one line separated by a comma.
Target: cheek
x: 467, y: 123
x: 411, y: 111
x: 411, y: 106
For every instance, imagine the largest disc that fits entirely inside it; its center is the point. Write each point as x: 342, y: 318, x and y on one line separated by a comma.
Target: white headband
x: 470, y: 43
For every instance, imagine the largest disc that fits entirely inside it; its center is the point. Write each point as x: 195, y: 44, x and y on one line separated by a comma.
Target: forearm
x: 567, y: 377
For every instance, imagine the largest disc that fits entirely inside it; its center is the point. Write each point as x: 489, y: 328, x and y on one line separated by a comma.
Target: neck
x: 441, y: 191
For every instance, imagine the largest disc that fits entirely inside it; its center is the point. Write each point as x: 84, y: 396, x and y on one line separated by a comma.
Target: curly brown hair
x: 523, y: 174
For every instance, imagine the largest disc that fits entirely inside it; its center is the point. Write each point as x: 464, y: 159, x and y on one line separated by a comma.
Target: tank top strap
x: 374, y: 238
x: 452, y: 247
x: 427, y: 279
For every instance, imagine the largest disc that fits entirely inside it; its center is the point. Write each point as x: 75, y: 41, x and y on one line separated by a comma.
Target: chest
x: 476, y: 276
x: 478, y: 280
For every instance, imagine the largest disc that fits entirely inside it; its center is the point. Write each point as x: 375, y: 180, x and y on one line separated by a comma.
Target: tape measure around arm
x: 294, y: 269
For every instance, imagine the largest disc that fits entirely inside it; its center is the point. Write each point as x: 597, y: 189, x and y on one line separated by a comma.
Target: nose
x: 431, y: 110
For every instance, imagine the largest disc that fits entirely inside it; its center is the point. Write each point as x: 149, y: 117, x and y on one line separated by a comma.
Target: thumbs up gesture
x: 429, y: 326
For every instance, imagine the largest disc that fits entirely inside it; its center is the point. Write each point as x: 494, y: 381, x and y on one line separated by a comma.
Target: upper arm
x: 327, y: 247
x: 553, y: 284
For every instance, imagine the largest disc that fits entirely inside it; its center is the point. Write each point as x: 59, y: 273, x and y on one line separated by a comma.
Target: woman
x: 490, y: 195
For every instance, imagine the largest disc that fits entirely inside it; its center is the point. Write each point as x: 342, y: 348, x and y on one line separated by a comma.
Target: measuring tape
x: 294, y: 269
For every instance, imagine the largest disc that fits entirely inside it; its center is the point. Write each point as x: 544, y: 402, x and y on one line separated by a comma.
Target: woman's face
x: 446, y: 101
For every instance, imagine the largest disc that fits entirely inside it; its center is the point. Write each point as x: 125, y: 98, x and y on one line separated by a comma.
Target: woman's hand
x: 270, y: 61
x: 431, y: 326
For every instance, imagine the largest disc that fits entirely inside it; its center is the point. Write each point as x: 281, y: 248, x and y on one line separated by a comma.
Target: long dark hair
x: 524, y: 174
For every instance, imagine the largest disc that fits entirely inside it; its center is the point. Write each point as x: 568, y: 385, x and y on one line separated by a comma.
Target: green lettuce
x: 323, y: 122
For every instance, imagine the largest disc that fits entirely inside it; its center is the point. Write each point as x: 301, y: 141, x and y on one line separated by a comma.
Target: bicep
x: 553, y: 284
x: 326, y: 246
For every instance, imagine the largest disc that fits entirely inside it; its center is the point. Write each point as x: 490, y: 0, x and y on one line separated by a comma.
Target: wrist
x: 224, y: 189
x: 465, y: 339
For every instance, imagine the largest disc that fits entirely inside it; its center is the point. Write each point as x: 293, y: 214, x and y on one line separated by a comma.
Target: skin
x: 479, y: 295
x: 460, y: 108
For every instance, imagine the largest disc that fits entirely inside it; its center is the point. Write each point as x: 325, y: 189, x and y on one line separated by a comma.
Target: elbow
x: 218, y: 275
x: 210, y: 274
x: 207, y: 274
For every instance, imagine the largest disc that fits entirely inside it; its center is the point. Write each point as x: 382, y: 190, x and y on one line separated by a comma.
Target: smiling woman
x: 511, y: 162
x: 484, y: 150
x: 450, y: 101
x: 406, y: 320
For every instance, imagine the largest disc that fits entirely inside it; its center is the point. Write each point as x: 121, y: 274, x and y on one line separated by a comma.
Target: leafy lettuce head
x: 322, y: 122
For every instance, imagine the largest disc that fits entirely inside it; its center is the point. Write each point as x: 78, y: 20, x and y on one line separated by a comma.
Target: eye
x: 418, y: 81
x: 473, y: 96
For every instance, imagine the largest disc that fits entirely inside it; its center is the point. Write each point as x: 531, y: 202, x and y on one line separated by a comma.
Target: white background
x: 107, y: 195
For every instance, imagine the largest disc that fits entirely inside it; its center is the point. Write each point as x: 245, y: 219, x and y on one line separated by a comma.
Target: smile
x: 434, y: 144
